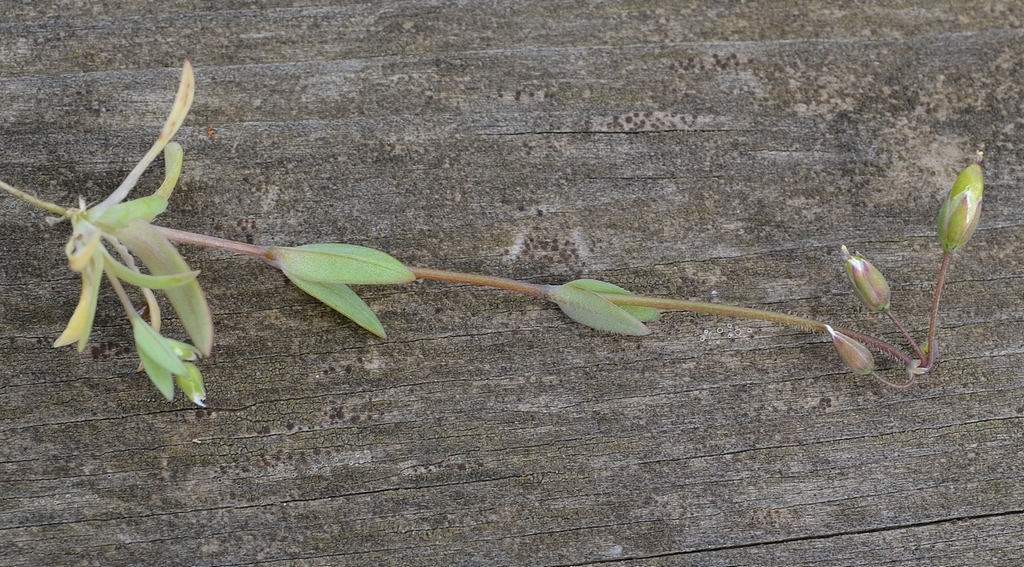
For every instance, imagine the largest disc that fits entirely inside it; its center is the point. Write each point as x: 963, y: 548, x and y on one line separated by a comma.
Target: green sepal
x: 158, y: 356
x: 145, y: 208
x: 590, y: 309
x: 645, y: 314
x: 342, y: 299
x: 162, y: 259
x: 340, y: 263
x: 147, y: 281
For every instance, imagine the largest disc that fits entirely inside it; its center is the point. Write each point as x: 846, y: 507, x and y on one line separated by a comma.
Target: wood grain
x: 710, y: 153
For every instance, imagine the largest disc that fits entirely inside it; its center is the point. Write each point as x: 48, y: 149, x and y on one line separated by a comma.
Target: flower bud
x: 854, y: 354
x: 960, y: 213
x: 869, y: 284
x: 191, y: 385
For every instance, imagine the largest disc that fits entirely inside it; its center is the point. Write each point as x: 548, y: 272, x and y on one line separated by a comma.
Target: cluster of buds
x: 958, y: 218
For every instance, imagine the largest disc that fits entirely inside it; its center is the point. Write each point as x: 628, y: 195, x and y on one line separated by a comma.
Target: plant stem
x: 212, y: 242
x: 934, y: 319
x: 900, y: 386
x: 542, y: 291
x: 717, y: 309
x: 756, y: 314
x: 45, y: 205
x: 525, y: 288
x: 664, y: 303
x: 906, y: 335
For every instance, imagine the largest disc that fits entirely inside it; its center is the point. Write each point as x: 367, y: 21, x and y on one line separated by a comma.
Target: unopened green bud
x: 960, y: 213
x: 191, y: 385
x: 868, y: 282
x: 854, y: 354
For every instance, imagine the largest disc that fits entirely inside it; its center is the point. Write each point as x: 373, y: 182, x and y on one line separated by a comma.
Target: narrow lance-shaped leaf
x: 339, y: 263
x: 182, y: 102
x: 158, y: 356
x: 80, y: 325
x: 590, y: 309
x: 142, y: 280
x: 646, y: 314
x: 158, y: 375
x: 341, y: 298
x: 162, y: 259
x: 145, y: 208
x: 173, y: 156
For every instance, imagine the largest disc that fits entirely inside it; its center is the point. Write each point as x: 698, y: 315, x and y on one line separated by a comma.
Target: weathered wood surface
x: 675, y: 149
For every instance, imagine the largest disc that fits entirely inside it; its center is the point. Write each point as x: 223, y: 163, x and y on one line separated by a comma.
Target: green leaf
x: 341, y: 298
x: 162, y: 259
x: 588, y: 308
x: 182, y: 102
x: 158, y: 356
x: 145, y: 208
x: 142, y: 280
x: 646, y: 314
x: 340, y: 263
x: 159, y: 376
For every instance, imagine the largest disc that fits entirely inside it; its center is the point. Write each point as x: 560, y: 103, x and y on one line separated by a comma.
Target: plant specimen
x: 112, y: 238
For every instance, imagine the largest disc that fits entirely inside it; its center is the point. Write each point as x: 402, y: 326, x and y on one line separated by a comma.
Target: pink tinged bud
x: 960, y: 213
x: 854, y: 355
x: 868, y: 282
